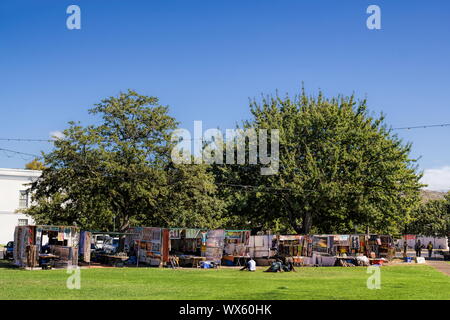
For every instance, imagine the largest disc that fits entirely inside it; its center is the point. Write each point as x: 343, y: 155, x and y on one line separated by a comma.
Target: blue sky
x: 206, y: 58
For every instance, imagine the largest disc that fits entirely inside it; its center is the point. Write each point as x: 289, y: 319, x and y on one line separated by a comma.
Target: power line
x: 202, y: 139
x: 25, y: 140
x: 6, y: 151
x: 266, y: 189
x: 424, y: 126
x: 250, y: 187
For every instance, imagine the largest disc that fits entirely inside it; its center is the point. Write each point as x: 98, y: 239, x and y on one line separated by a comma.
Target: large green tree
x: 340, y: 170
x: 119, y: 172
x: 432, y: 218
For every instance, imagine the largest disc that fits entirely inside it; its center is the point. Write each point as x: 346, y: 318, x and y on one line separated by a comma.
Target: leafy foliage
x: 431, y: 218
x: 341, y: 170
x: 120, y: 172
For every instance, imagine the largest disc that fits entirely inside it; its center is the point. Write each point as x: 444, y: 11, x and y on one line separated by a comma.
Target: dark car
x: 9, y: 252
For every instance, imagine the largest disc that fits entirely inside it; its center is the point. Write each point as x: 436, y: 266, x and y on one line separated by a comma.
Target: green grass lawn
x: 397, y: 282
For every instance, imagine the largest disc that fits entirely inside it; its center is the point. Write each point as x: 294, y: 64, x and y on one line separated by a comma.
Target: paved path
x: 443, y: 266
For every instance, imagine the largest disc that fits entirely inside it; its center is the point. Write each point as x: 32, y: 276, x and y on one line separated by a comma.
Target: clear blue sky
x: 206, y: 58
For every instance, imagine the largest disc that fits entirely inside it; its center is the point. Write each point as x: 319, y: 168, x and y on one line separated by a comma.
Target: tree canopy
x: 431, y: 218
x: 340, y: 170
x: 118, y: 172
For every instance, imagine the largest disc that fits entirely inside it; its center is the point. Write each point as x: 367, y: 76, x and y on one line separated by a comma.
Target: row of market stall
x: 150, y: 246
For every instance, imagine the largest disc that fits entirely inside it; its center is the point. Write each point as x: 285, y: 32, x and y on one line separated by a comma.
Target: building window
x: 23, y: 199
x: 23, y: 222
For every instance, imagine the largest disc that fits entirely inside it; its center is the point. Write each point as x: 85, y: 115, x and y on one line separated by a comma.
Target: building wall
x: 438, y: 242
x: 12, y: 182
x: 8, y: 222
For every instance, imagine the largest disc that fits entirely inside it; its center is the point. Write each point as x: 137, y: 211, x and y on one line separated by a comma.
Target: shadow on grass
x: 7, y: 264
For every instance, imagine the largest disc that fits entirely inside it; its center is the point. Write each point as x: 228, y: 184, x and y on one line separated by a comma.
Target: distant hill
x: 428, y: 195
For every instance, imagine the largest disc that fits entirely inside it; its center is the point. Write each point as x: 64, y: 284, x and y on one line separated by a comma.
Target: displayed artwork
x: 175, y: 234
x: 320, y: 244
x: 192, y: 233
x: 355, y: 242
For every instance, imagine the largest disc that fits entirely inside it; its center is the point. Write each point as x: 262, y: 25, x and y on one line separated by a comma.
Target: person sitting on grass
x: 277, y: 266
x: 288, y: 264
x: 250, y: 265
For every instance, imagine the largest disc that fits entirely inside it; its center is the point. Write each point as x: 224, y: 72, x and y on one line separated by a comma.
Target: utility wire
x: 18, y: 153
x: 201, y: 139
x: 424, y: 126
x: 265, y: 189
x: 25, y: 140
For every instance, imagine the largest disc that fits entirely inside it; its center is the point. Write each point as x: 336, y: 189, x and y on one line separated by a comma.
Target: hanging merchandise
x: 156, y: 247
x: 156, y: 234
x: 214, y: 245
x: 362, y: 244
x: 305, y: 246
x: 259, y: 241
x: 246, y: 237
x: 310, y: 247
x: 192, y: 233
x: 355, y: 242
x: 320, y: 244
x: 344, y: 240
x: 175, y: 233
x: 331, y: 249
x: 38, y: 237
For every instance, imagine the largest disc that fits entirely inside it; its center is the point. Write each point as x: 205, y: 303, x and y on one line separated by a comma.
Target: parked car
x: 9, y: 251
x: 111, y: 245
x: 99, y: 240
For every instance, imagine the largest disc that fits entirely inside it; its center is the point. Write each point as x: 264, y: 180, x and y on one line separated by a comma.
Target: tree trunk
x: 298, y: 229
x: 306, y: 223
x: 125, y: 224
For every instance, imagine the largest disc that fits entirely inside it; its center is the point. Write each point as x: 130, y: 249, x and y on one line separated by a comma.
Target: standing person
x: 430, y: 249
x: 405, y: 249
x: 418, y: 248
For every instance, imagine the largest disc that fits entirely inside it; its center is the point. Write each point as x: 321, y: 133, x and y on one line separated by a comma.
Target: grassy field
x: 397, y: 282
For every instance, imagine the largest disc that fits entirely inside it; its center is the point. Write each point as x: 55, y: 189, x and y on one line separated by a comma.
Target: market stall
x: 109, y: 248
x: 212, y: 245
x: 149, y: 245
x: 46, y: 246
x: 298, y: 247
x: 262, y: 246
x: 186, y: 247
x: 386, y: 247
x: 236, y: 247
x: 330, y: 250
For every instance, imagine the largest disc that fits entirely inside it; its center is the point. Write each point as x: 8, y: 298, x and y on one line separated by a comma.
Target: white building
x: 14, y: 195
x: 438, y: 242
